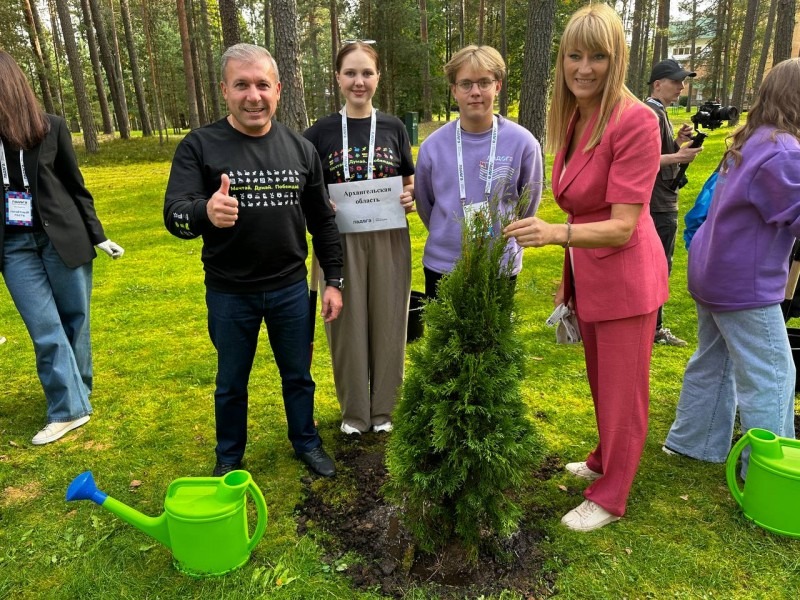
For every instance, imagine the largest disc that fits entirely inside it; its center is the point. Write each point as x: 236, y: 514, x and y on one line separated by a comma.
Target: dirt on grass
x: 355, y: 518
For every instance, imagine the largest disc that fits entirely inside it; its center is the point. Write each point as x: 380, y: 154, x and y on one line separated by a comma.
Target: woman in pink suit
x: 615, y: 274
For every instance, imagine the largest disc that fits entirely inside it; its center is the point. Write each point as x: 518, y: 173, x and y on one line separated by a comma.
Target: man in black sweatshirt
x: 250, y: 187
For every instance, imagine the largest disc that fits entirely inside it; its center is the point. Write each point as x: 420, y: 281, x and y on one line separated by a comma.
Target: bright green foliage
x: 462, y: 444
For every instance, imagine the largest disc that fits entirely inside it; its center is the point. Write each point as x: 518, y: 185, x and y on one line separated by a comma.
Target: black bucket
x: 415, y: 326
x: 794, y: 344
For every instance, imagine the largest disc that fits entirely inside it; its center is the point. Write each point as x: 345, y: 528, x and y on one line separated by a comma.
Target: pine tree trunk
x: 186, y: 49
x: 198, y: 74
x: 106, y: 57
x: 141, y: 101
x: 125, y: 127
x: 743, y: 63
x: 156, y: 87
x: 504, y: 54
x: 213, y: 75
x: 229, y: 15
x: 335, y: 43
x: 692, y: 55
x: 73, y: 58
x: 762, y: 62
x: 784, y: 29
x: 427, y: 102
x: 41, y: 73
x: 536, y: 67
x: 287, y: 47
x: 268, y: 24
x: 634, y: 73
x: 91, y: 41
x: 58, y: 52
x: 661, y: 40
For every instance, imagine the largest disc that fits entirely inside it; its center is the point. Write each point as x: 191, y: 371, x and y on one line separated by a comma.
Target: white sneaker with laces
x: 384, y: 427
x: 349, y: 429
x: 53, y: 431
x: 588, y: 516
x: 579, y: 469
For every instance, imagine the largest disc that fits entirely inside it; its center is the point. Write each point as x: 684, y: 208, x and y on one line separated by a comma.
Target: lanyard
x: 6, y: 178
x: 462, y: 189
x: 346, y: 145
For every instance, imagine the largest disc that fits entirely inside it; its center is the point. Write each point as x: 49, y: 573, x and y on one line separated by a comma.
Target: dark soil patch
x: 351, y: 510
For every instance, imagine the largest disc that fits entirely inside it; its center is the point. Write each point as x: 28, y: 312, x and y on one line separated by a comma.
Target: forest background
x: 113, y: 66
x: 131, y: 68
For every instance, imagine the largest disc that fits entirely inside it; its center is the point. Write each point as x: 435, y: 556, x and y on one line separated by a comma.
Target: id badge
x: 19, y: 209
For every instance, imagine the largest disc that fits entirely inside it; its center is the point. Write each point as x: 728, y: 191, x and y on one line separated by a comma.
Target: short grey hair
x: 247, y: 53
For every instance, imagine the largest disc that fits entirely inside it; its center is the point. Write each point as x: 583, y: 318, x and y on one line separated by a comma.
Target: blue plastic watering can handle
x: 261, y: 508
x: 730, y: 470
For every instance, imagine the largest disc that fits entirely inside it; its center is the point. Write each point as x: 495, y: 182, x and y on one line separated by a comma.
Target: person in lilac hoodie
x: 738, y: 267
x: 464, y: 164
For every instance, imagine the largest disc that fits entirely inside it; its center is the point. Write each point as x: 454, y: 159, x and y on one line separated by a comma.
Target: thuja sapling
x: 462, y: 444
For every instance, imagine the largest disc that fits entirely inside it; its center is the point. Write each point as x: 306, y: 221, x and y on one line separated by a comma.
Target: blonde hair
x: 777, y: 105
x: 594, y: 28
x: 480, y: 58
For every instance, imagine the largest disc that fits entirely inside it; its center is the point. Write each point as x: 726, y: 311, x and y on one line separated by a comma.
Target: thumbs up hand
x: 222, y: 209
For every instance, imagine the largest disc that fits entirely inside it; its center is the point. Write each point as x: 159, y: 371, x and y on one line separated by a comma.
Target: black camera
x: 711, y: 115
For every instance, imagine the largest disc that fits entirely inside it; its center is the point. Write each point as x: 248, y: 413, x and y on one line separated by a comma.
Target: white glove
x: 112, y: 249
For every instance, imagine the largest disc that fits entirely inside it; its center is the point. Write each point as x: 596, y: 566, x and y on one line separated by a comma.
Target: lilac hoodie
x: 518, y: 162
x: 739, y: 258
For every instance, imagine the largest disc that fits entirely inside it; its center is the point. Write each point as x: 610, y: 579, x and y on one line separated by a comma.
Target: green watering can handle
x: 261, y: 507
x: 730, y: 471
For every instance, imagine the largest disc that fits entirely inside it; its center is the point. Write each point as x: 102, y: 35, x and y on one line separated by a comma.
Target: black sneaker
x: 221, y: 468
x: 318, y: 461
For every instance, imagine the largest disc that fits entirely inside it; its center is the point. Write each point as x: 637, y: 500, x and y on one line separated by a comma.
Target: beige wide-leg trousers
x: 368, y: 339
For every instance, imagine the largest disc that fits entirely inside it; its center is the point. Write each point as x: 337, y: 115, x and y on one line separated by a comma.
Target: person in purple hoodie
x: 467, y: 163
x: 738, y: 267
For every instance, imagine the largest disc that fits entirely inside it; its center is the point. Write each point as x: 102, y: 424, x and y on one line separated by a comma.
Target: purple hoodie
x: 518, y: 162
x: 739, y: 258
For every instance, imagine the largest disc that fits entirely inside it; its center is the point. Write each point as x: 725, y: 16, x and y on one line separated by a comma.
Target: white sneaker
x: 349, y: 429
x: 383, y: 428
x: 579, y: 469
x: 588, y: 516
x: 53, y: 431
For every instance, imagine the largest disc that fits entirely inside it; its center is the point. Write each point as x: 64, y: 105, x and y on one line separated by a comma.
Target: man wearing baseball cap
x: 666, y: 80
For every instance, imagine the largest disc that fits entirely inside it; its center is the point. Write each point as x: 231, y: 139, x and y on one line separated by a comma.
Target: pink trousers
x: 618, y: 366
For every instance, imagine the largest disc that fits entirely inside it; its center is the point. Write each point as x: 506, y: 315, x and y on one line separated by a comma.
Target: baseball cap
x: 669, y: 69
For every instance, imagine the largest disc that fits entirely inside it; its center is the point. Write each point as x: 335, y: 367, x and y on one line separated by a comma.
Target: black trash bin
x: 415, y: 326
x: 794, y: 344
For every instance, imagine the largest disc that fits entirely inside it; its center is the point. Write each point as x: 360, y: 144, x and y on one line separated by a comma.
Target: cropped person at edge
x: 615, y: 274
x: 46, y: 248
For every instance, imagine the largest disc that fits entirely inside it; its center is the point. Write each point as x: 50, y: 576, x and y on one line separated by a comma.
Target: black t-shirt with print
x: 277, y: 180
x: 392, y: 147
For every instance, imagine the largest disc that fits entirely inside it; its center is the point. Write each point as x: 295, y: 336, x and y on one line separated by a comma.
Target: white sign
x: 368, y: 205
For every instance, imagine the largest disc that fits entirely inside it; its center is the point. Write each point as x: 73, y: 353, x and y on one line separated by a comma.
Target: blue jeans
x: 234, y: 321
x: 53, y: 301
x: 743, y: 358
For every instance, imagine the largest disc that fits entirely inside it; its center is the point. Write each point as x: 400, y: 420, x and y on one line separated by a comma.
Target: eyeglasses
x: 465, y: 85
x: 368, y: 42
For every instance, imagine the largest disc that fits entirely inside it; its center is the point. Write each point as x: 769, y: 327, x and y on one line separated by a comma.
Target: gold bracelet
x: 569, y: 235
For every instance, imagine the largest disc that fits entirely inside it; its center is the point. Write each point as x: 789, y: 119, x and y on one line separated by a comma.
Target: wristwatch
x: 337, y: 283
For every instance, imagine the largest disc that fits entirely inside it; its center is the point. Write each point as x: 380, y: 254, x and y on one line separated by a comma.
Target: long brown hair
x: 22, y: 121
x: 777, y: 105
x: 596, y: 28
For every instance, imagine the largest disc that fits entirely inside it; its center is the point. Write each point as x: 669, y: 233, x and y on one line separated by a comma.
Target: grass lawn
x: 683, y: 535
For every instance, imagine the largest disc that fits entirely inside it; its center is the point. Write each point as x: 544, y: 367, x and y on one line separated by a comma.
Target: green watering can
x: 204, y: 521
x: 771, y: 495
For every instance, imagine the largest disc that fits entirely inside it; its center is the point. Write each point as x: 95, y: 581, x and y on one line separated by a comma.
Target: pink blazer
x: 628, y: 280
